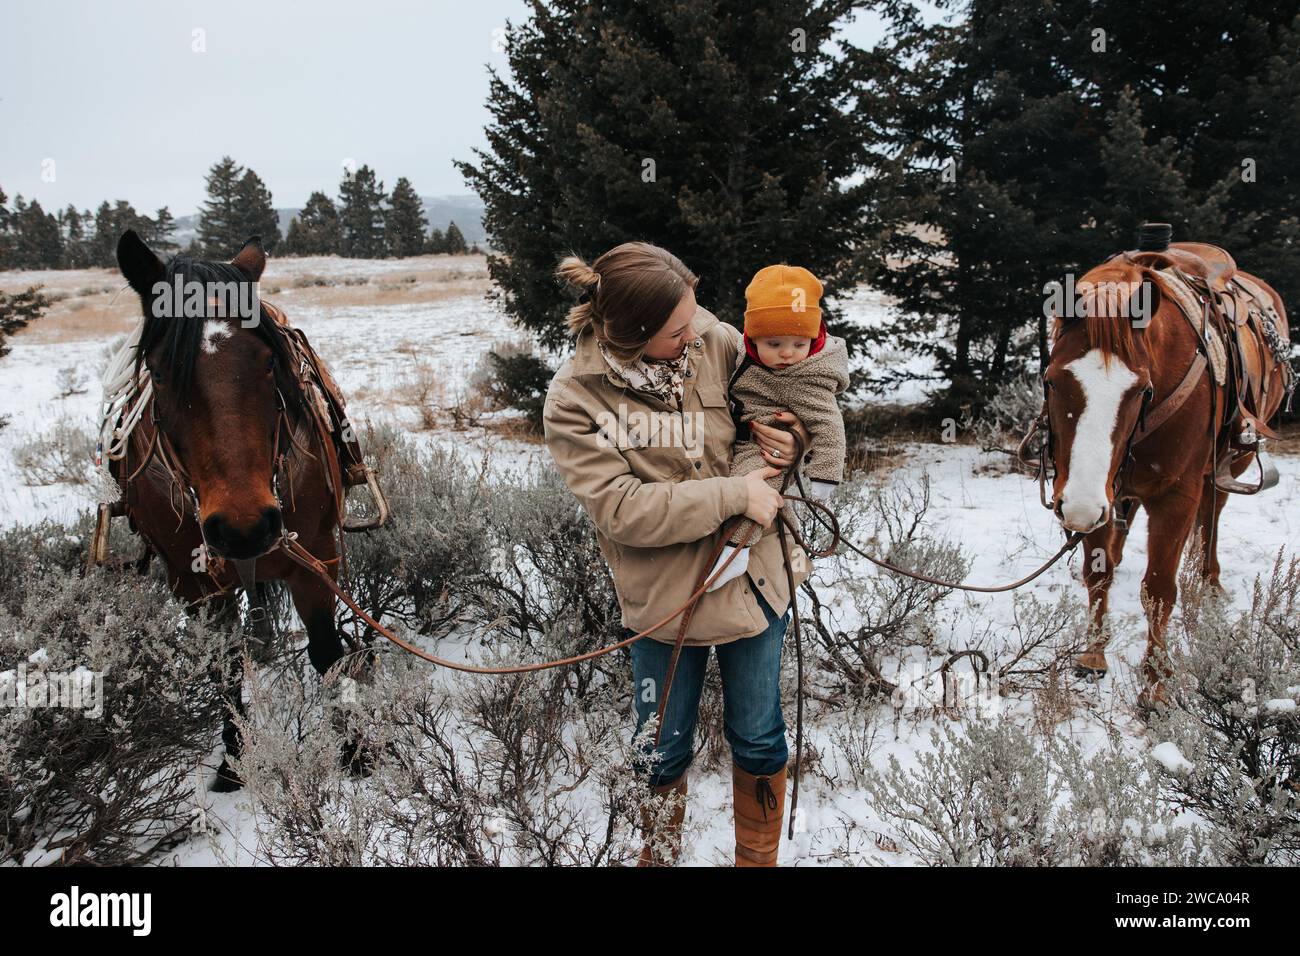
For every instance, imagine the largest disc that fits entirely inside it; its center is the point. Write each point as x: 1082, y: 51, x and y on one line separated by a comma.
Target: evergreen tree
x: 76, y: 255
x: 110, y: 222
x: 160, y: 237
x: 1023, y: 141
x: 436, y: 244
x: 102, y: 245
x: 405, y: 223
x: 6, y: 237
x: 361, y: 198
x: 454, y: 241
x: 38, y: 240
x: 221, y: 220
x: 255, y: 214
x: 721, y: 130
x: 316, y: 230
x: 17, y: 310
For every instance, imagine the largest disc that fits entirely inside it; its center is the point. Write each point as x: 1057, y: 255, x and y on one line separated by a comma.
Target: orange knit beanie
x: 783, y: 300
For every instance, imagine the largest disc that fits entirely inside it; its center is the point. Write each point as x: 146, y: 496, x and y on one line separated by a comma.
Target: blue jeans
x: 751, y: 689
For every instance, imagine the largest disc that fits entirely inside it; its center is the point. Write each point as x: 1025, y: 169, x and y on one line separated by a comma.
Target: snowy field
x: 379, y: 324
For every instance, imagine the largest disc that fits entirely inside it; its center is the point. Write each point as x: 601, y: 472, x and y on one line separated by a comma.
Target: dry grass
x: 97, y: 304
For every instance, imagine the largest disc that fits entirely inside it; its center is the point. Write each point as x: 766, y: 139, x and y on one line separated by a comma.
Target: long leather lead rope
x: 301, y: 556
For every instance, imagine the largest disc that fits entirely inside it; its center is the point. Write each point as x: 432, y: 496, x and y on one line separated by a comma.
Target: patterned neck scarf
x: 664, y: 380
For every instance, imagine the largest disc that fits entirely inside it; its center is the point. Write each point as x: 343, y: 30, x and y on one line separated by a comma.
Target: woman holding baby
x: 643, y: 344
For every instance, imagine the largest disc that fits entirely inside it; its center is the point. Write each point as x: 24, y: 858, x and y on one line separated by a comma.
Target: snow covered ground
x: 378, y: 324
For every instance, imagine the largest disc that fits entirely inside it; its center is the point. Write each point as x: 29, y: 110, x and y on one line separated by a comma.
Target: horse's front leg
x: 1102, y: 550
x: 1170, y: 519
x: 230, y: 680
x: 314, y: 602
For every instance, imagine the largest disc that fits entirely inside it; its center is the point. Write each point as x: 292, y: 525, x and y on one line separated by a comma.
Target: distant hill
x: 467, y: 210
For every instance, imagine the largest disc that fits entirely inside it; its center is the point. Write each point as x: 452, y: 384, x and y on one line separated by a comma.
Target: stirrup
x: 381, y: 506
x: 1268, y: 477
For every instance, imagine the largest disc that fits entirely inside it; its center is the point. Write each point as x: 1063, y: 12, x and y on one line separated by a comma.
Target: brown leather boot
x: 759, y: 806
x: 652, y: 854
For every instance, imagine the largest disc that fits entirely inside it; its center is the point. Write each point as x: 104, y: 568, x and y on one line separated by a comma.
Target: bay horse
x: 1140, y: 413
x: 229, y: 455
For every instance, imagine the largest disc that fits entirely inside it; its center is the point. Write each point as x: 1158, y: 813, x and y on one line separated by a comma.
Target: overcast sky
x: 124, y: 100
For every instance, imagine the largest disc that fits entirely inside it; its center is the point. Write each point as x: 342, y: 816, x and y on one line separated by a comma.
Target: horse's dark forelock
x: 180, y: 337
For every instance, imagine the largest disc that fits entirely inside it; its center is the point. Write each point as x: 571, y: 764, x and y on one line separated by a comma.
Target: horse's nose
x: 1082, y: 516
x: 231, y: 539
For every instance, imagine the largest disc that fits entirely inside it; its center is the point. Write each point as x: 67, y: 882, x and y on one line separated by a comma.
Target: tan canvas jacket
x: 657, y: 485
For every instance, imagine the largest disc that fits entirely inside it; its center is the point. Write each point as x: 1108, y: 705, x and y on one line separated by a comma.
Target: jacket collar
x: 587, y: 359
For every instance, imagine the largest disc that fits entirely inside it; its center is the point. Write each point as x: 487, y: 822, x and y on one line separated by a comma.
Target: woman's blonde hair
x: 629, y: 293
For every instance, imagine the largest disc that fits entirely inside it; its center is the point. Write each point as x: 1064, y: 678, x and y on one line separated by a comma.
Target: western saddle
x: 1243, y: 335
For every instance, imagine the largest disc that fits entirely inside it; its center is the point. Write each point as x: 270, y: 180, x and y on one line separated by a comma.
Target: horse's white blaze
x: 1083, y: 499
x: 213, y: 332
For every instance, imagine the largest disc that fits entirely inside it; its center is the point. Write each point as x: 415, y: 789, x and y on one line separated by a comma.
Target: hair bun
x: 575, y: 271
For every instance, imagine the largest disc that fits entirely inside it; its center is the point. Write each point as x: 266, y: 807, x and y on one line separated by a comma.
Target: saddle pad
x: 1186, y: 299
x: 1218, y: 355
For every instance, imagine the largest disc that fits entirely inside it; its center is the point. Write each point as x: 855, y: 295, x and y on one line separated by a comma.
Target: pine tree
x: 111, y: 220
x: 316, y: 230
x: 221, y: 222
x: 719, y: 129
x: 164, y: 225
x: 102, y: 245
x: 76, y: 255
x: 17, y: 310
x: 6, y: 237
x: 1025, y: 141
x: 436, y: 244
x: 454, y: 242
x: 38, y: 240
x: 255, y: 213
x: 361, y: 198
x: 405, y: 223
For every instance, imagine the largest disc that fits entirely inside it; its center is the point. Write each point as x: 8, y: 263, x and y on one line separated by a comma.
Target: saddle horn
x: 1155, y: 236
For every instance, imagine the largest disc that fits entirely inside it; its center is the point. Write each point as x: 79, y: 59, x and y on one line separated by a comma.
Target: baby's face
x: 782, y: 351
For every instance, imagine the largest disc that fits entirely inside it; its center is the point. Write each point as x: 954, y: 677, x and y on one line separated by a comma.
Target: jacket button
x: 761, y: 582
x: 697, y: 466
x: 690, y: 373
x: 698, y: 343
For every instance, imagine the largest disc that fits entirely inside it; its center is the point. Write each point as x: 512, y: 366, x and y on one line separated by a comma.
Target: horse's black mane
x: 181, y: 336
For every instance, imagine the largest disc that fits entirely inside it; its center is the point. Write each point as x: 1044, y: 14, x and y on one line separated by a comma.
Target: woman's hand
x: 764, y: 500
x: 777, y: 444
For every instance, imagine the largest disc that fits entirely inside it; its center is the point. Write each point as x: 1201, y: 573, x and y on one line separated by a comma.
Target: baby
x: 786, y: 361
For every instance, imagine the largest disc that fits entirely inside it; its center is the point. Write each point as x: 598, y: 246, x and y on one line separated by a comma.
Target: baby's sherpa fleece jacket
x: 807, y: 388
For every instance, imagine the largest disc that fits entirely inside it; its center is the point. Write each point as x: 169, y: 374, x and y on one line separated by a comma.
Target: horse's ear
x: 251, y: 259
x: 1151, y: 294
x: 138, y: 263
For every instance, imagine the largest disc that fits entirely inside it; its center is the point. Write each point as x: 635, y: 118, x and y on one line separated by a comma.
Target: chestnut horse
x: 228, y: 457
x: 1137, y: 419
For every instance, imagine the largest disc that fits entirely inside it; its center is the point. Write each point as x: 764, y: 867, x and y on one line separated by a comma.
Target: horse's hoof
x: 227, y: 781
x: 1091, y: 665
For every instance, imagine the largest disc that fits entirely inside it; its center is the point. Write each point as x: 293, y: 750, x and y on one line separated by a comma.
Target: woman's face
x: 669, y: 341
